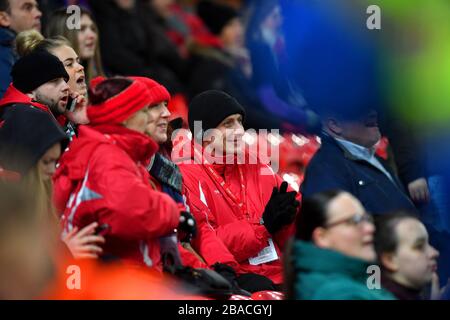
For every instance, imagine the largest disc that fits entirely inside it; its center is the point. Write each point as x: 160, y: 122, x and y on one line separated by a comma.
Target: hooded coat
x: 15, y: 97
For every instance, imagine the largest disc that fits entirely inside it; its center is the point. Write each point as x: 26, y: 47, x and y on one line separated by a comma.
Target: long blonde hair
x: 43, y: 195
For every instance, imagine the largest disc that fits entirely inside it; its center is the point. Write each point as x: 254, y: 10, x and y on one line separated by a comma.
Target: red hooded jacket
x: 225, y: 234
x: 14, y: 96
x: 102, y: 177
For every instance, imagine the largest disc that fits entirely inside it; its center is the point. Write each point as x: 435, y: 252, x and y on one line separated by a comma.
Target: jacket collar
x: 329, y: 140
x: 74, y: 163
x: 14, y: 96
x: 356, y: 150
x: 7, y: 37
x: 138, y: 146
x: 308, y: 257
x: 399, y: 291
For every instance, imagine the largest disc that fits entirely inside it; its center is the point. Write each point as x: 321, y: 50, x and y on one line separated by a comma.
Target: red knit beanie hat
x: 120, y: 107
x: 158, y: 93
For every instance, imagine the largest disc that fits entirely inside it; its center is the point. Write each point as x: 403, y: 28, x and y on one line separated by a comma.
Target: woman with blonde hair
x: 84, y: 40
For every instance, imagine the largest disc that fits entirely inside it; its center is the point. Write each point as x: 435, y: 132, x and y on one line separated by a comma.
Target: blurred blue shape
x: 334, y: 56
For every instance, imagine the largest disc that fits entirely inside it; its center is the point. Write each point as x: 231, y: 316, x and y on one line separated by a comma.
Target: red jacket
x: 14, y: 96
x: 102, y: 178
x: 225, y: 235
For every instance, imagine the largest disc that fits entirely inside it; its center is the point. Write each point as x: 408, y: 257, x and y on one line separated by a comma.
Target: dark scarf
x: 399, y: 291
x: 169, y: 176
x: 166, y: 172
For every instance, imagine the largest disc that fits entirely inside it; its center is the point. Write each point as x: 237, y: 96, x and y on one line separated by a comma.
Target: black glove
x: 187, y: 228
x: 228, y: 273
x: 253, y: 282
x: 281, y: 209
x: 225, y: 271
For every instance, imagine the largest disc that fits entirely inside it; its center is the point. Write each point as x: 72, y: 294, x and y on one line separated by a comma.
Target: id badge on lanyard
x: 267, y: 254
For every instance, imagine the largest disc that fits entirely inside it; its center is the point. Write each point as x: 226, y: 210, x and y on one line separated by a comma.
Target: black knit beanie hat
x: 212, y: 107
x: 26, y: 134
x: 35, y: 69
x: 215, y: 15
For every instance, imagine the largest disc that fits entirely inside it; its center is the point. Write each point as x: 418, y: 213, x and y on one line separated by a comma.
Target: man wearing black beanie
x: 211, y: 108
x: 244, y: 210
x: 39, y: 81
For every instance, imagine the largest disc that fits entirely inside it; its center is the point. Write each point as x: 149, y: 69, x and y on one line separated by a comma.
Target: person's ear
x: 320, y: 238
x: 5, y: 19
x: 334, y: 126
x: 389, y: 261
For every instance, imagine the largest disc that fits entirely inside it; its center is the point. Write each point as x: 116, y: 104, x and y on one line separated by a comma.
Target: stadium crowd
x: 213, y: 149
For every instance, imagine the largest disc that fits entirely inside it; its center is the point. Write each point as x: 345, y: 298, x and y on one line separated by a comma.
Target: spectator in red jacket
x: 60, y: 47
x: 178, y: 255
x: 102, y: 177
x: 39, y: 80
x: 244, y: 212
x: 165, y: 177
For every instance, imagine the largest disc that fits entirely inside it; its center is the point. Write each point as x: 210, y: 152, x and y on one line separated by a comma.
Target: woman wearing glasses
x: 332, y: 250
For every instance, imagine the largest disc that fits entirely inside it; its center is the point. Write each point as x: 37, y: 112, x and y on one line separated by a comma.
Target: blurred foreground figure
x: 31, y: 269
x: 26, y: 265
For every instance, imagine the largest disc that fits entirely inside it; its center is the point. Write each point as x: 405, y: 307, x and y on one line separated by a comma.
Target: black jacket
x: 332, y: 167
x: 7, y: 58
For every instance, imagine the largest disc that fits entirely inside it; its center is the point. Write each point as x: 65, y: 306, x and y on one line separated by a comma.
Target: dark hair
x: 108, y: 89
x: 313, y: 213
x: 256, y: 14
x: 385, y: 237
x: 5, y: 6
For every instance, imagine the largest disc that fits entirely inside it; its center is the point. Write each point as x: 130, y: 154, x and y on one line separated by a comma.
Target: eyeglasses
x: 355, y: 220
